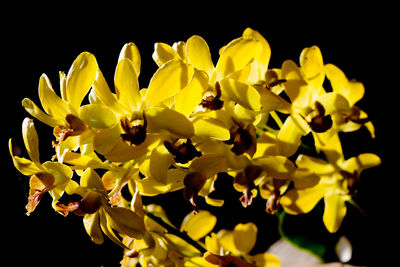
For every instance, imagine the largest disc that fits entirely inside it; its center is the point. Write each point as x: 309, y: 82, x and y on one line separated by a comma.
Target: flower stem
x: 176, y: 232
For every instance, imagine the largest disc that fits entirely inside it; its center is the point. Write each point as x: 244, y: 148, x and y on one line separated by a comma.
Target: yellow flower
x: 140, y: 117
x: 63, y: 113
x: 227, y: 246
x: 339, y: 181
x: 51, y: 177
x: 98, y: 216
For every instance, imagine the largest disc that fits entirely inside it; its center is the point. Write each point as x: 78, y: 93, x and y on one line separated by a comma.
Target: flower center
x: 74, y: 127
x: 183, y: 152
x: 193, y: 183
x: 320, y: 123
x: 213, y: 102
x: 134, y: 131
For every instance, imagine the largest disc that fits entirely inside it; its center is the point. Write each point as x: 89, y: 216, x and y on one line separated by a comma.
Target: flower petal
x: 209, y: 164
x: 36, y: 112
x: 23, y: 165
x: 168, y: 120
x: 319, y: 166
x: 214, y: 128
x: 276, y: 166
x: 361, y: 162
x: 160, y: 161
x: 102, y: 91
x: 335, y: 210
x: 302, y: 200
x: 164, y: 53
x: 92, y: 227
x: 80, y: 78
x: 51, y: 102
x: 126, y: 222
x: 235, y: 56
x: 199, y: 55
x: 198, y: 225
x: 289, y: 136
x: 245, y: 236
x: 127, y: 85
x: 241, y: 93
x: 353, y: 91
x: 168, y: 80
x: 97, y: 116
x: 91, y: 180
x: 31, y: 140
x: 130, y: 51
x: 312, y: 66
x: 187, y: 99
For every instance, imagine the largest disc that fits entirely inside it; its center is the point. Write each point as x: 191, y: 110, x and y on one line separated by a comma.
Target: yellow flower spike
x: 131, y: 52
x: 244, y: 237
x: 199, y: 55
x: 51, y: 102
x: 80, y: 78
x: 198, y: 225
x: 127, y: 85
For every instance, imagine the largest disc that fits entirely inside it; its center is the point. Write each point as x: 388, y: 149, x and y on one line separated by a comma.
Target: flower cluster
x: 193, y: 121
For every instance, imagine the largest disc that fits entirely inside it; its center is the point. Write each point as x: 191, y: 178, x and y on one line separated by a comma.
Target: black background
x: 46, y: 39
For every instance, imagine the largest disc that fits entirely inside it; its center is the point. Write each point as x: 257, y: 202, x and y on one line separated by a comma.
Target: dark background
x: 46, y: 39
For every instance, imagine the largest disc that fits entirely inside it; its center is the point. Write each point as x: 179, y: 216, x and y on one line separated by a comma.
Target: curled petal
x: 51, y: 103
x: 36, y: 112
x: 198, y: 225
x: 335, y: 210
x: 199, y: 55
x: 80, y: 78
x: 131, y: 52
x: 92, y: 227
x: 31, y: 140
x: 164, y: 53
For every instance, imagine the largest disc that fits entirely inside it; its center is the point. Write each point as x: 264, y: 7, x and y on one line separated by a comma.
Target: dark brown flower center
x: 320, y: 123
x: 213, y: 102
x: 183, y: 152
x: 134, y: 134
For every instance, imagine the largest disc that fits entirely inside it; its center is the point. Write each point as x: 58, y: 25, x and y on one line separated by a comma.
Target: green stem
x: 176, y: 232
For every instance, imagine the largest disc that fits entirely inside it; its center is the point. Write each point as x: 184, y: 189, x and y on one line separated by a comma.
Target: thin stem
x: 176, y: 232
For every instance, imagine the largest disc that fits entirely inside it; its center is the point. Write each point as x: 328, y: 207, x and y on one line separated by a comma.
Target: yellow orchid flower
x: 63, y: 112
x: 233, y: 247
x: 98, y: 216
x: 349, y: 117
x: 51, y: 177
x: 339, y: 180
x: 140, y: 119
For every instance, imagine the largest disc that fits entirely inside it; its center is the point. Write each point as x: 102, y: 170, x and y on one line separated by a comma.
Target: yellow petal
x: 245, y: 237
x: 333, y: 102
x: 235, y: 56
x: 187, y: 99
x: 209, y: 164
x: 361, y: 162
x: 312, y: 65
x: 265, y: 55
x: 276, y: 166
x: 91, y: 180
x: 31, y: 140
x: 353, y: 91
x: 304, y: 178
x: 23, y: 165
x: 168, y: 120
x: 125, y: 221
x: 198, y: 54
x: 266, y: 260
x: 241, y: 93
x: 160, y: 161
x: 80, y: 78
x: 164, y: 53
x: 102, y: 91
x: 289, y: 136
x: 131, y: 52
x: 198, y: 225
x: 302, y: 200
x: 316, y: 165
x: 97, y: 116
x: 295, y: 86
x: 226, y: 240
x: 127, y: 85
x: 214, y: 128
x: 51, y: 102
x: 92, y: 227
x: 168, y: 80
x: 36, y: 112
x: 335, y: 210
